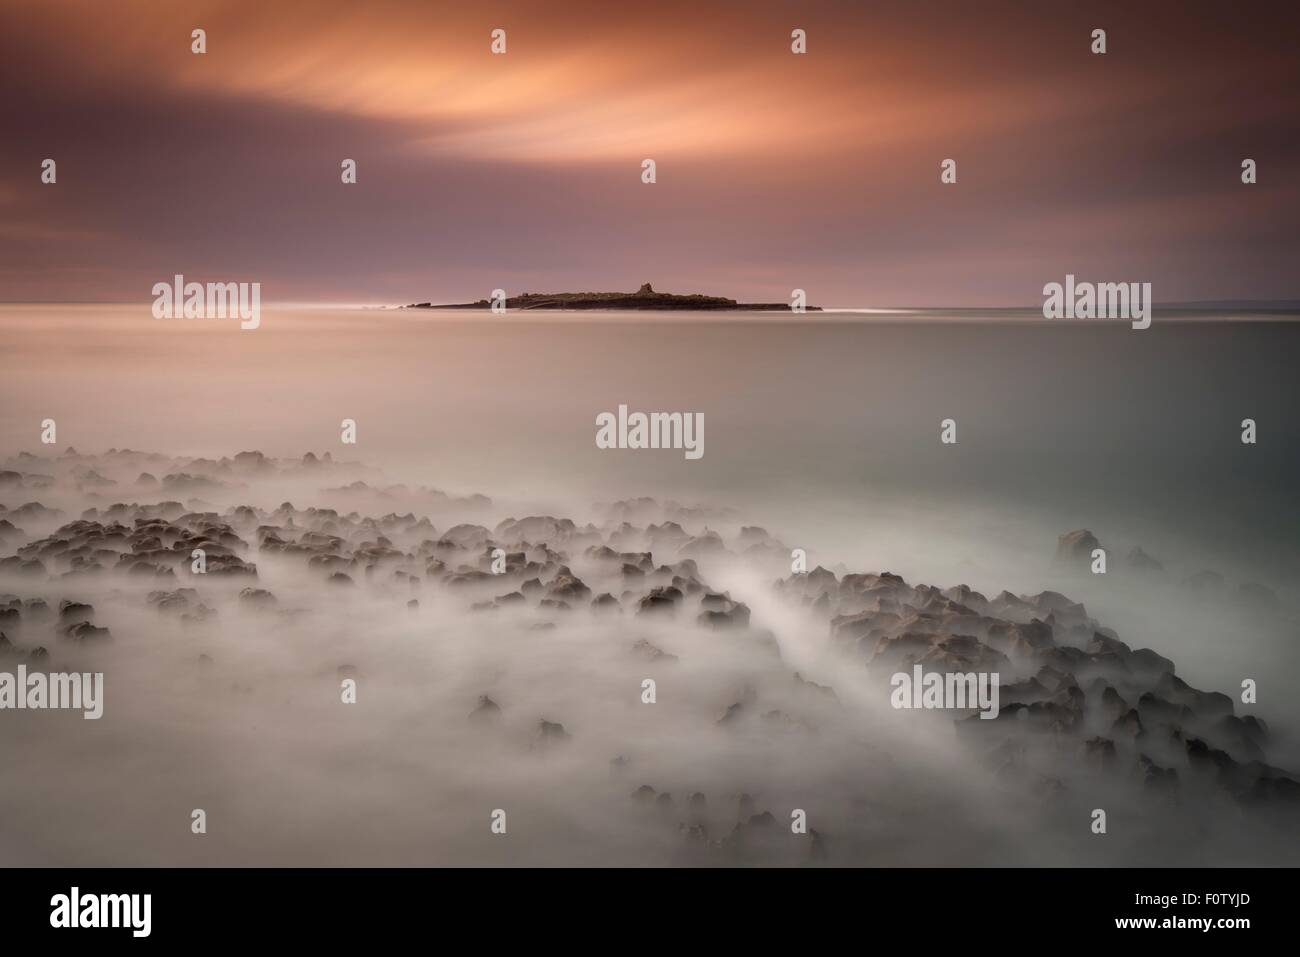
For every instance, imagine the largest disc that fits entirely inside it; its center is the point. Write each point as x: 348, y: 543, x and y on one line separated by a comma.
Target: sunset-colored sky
x: 775, y: 171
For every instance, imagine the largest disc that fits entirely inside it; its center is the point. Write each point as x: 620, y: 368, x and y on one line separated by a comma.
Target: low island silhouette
x: 643, y: 298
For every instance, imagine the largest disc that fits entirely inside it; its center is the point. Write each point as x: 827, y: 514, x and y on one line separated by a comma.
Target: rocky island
x: 643, y: 298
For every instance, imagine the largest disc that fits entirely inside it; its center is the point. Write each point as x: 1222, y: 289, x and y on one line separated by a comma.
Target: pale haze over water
x: 824, y: 430
x: 1090, y: 421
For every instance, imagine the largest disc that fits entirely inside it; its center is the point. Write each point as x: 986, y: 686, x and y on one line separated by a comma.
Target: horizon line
x: 1280, y: 305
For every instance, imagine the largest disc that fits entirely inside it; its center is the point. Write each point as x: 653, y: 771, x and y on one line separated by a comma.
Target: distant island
x: 643, y: 298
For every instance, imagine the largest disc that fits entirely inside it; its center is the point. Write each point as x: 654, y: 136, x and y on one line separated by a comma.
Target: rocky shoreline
x: 1079, y: 704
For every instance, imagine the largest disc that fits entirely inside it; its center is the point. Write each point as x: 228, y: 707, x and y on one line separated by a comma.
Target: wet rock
x: 257, y: 598
x: 1154, y: 777
x: 1205, y: 704
x: 176, y: 601
x: 84, y: 631
x: 648, y: 651
x: 1140, y: 561
x: 606, y: 602
x: 1100, y: 753
x: 1156, y: 710
x: 36, y: 609
x: 732, y: 713
x: 551, y: 731
x: 661, y: 600
x: 736, y: 617
x: 1244, y: 738
x: 1076, y: 548
x: 1128, y: 727
x: 71, y: 612
x: 568, y: 587
x: 29, y: 568
x: 824, y: 692
x: 1113, y: 705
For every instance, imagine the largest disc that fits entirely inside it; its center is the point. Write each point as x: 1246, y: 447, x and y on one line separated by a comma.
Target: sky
x: 774, y: 170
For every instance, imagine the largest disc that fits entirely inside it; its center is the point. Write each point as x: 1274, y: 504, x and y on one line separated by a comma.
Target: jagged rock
x: 71, y: 612
x: 1243, y: 737
x: 735, y: 617
x: 1141, y: 561
x: 606, y: 602
x: 1128, y: 726
x: 1206, y: 704
x: 822, y: 691
x: 1154, y: 777
x: 1113, y: 705
x: 257, y: 598
x: 1076, y: 547
x: 550, y: 731
x: 22, y: 567
x: 695, y: 834
x: 1101, y: 753
x: 648, y: 651
x: 660, y: 600
x: 36, y: 609
x: 85, y: 631
x: 178, y: 600
x: 732, y: 713
x: 567, y: 587
x: 1156, y: 710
